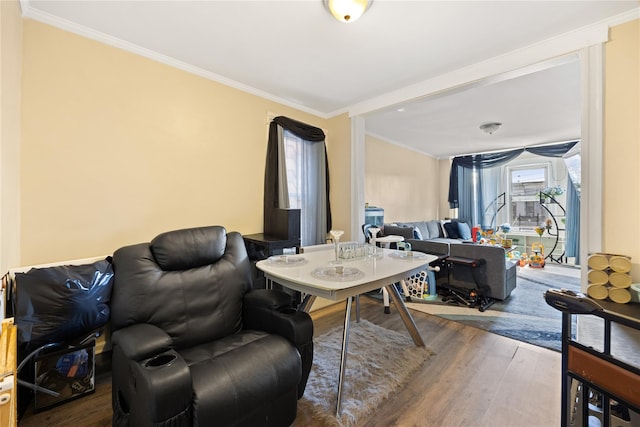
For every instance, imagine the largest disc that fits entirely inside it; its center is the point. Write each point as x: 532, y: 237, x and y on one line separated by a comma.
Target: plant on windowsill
x: 548, y: 224
x: 550, y: 193
x: 505, y: 228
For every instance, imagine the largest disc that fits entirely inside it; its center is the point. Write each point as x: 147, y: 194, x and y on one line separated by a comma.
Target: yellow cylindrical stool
x: 598, y: 277
x: 620, y: 280
x: 620, y: 264
x: 619, y: 295
x: 598, y: 261
x: 598, y: 291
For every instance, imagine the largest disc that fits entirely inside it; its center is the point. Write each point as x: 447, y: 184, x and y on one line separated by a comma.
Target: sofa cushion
x: 434, y: 229
x: 464, y: 231
x: 465, y: 220
x: 420, y: 229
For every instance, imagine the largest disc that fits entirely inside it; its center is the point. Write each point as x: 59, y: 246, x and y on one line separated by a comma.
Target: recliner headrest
x: 189, y: 248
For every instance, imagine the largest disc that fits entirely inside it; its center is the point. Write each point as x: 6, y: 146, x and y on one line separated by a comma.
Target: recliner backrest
x: 186, y: 249
x: 190, y: 283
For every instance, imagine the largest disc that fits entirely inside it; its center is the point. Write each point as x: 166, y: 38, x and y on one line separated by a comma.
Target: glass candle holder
x: 335, y: 235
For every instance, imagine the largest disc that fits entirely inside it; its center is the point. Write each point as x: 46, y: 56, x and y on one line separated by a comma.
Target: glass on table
x: 335, y: 235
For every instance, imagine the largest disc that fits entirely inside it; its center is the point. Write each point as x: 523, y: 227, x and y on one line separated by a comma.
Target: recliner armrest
x: 163, y: 390
x: 272, y: 311
x: 141, y: 341
x: 151, y: 381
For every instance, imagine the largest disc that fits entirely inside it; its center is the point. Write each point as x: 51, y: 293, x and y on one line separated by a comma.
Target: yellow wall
x: 339, y: 154
x: 621, y: 210
x: 403, y: 182
x: 10, y: 76
x: 117, y: 148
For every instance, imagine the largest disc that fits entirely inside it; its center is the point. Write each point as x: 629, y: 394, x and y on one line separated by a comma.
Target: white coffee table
x: 377, y: 272
x: 387, y: 240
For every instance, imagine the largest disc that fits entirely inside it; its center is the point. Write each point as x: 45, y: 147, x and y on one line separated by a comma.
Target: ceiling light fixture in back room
x: 347, y: 10
x: 490, y: 128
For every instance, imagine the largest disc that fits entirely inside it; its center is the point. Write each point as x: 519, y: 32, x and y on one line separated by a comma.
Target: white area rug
x: 379, y: 362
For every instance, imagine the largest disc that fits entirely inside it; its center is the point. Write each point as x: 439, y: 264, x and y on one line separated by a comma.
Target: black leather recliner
x: 193, y: 344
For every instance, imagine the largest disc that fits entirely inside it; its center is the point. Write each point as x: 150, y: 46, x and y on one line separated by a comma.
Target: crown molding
x: 510, y: 62
x: 72, y: 27
x: 24, y: 6
x: 516, y: 61
x: 520, y: 61
x: 399, y: 144
x: 623, y: 18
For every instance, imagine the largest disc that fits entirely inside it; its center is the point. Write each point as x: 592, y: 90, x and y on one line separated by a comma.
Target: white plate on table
x: 337, y: 273
x: 286, y: 260
x: 407, y: 255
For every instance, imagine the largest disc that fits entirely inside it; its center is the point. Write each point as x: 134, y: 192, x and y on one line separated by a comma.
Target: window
x: 293, y: 161
x: 525, y: 184
x: 297, y: 177
x: 306, y: 186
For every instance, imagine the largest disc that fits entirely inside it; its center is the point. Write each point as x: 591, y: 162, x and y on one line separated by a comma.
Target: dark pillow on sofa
x: 464, y: 231
x: 452, y: 230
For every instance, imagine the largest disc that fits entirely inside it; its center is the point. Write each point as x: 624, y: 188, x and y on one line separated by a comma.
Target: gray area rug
x: 379, y: 362
x: 524, y: 316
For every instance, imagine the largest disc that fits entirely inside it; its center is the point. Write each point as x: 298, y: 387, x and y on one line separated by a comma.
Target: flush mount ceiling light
x: 347, y: 10
x: 490, y: 128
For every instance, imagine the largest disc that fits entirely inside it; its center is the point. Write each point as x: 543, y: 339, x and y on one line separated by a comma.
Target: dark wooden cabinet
x: 261, y: 246
x: 282, y: 223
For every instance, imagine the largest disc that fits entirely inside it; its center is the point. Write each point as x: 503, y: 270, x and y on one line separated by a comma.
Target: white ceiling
x: 294, y: 52
x: 534, y: 109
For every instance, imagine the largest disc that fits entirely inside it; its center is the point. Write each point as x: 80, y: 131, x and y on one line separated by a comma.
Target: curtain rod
x: 517, y: 148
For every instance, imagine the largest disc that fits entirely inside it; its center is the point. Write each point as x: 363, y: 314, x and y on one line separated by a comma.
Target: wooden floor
x: 474, y: 379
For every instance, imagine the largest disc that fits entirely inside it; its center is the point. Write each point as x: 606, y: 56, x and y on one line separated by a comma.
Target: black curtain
x: 556, y: 150
x: 301, y: 130
x: 475, y: 161
x: 482, y: 161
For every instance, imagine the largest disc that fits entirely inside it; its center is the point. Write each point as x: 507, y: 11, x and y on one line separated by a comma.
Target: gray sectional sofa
x: 424, y: 236
x: 496, y: 275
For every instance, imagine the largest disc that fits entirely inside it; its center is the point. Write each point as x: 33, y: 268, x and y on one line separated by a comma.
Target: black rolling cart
x: 596, y: 383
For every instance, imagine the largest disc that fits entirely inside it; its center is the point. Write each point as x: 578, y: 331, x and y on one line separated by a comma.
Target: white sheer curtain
x: 283, y: 185
x: 305, y: 185
x: 488, y: 204
x: 478, y: 189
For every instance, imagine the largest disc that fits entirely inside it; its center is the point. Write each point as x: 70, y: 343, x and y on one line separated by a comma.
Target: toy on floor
x: 536, y: 260
x: 422, y: 286
x: 524, y: 260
